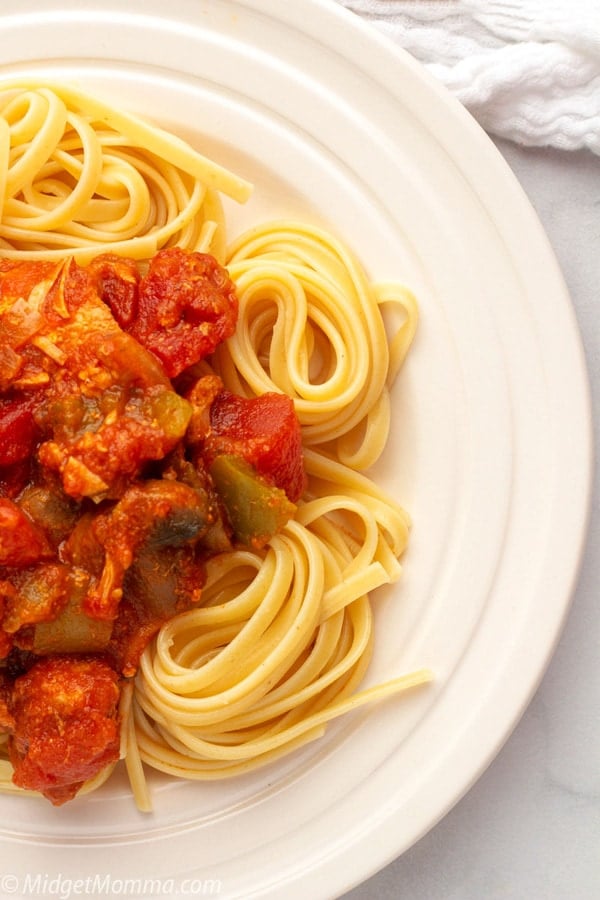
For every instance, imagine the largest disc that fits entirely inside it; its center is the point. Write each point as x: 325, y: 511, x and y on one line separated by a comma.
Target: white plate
x: 490, y: 450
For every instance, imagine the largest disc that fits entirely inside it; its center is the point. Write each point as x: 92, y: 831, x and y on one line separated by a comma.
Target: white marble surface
x: 530, y: 827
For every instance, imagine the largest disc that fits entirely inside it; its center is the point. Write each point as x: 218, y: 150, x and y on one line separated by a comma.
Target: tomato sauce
x: 108, y: 510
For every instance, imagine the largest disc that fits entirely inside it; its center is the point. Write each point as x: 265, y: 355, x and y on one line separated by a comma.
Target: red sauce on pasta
x: 122, y: 465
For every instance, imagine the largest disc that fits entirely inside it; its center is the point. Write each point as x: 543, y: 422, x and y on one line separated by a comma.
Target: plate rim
x: 353, y: 30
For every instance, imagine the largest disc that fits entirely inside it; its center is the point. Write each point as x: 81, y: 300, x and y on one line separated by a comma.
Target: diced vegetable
x: 72, y: 631
x: 173, y: 414
x: 216, y: 538
x: 256, y: 509
x: 134, y: 363
x: 154, y: 514
x: 52, y: 510
x: 159, y: 584
x: 157, y: 512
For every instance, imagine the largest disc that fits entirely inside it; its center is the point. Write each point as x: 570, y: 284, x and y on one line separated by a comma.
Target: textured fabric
x: 528, y: 70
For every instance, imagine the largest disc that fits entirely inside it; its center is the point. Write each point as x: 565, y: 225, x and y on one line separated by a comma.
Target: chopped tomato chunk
x: 14, y: 478
x: 265, y: 432
x: 21, y: 542
x: 187, y: 305
x: 117, y: 280
x: 18, y: 431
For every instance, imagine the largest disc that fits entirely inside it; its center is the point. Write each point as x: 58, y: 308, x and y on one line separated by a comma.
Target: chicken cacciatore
x: 124, y: 465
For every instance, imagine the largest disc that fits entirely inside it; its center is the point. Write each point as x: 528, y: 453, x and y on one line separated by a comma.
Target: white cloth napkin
x: 527, y: 70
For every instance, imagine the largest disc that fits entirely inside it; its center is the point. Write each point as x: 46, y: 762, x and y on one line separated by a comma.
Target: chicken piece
x: 103, y: 404
x: 66, y: 725
x: 23, y: 289
x: 201, y: 394
x: 104, y: 445
x: 40, y: 594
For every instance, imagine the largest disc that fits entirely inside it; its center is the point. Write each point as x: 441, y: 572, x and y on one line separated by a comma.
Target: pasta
x: 282, y: 639
x: 78, y: 177
x: 311, y: 326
